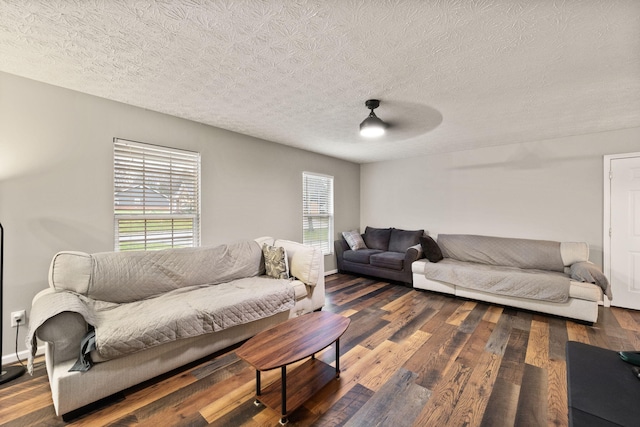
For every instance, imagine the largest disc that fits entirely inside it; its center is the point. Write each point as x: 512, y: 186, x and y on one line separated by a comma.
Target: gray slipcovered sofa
x: 539, y: 275
x: 154, y: 311
x: 386, y: 253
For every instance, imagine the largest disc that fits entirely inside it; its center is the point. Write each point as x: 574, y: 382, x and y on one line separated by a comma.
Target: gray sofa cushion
x: 392, y: 260
x: 377, y: 238
x: 401, y: 240
x: 361, y: 256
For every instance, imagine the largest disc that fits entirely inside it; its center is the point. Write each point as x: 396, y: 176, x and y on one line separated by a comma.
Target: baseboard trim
x: 24, y: 355
x: 330, y: 272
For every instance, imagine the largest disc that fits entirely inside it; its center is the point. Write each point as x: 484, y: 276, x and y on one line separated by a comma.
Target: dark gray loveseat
x: 389, y: 254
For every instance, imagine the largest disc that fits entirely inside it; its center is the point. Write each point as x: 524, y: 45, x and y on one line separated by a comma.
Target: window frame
x: 326, y: 246
x: 158, y: 173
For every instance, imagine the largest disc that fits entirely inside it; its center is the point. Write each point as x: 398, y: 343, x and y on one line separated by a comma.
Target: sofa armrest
x: 58, y: 319
x: 64, y: 332
x: 413, y: 253
x: 340, y: 245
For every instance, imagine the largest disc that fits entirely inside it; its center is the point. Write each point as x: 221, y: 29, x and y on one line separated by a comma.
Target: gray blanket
x: 137, y: 300
x: 124, y: 328
x: 507, y: 281
x: 502, y: 251
x: 136, y: 275
x: 48, y: 306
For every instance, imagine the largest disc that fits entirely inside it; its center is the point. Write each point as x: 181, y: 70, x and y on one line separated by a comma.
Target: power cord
x: 17, y: 332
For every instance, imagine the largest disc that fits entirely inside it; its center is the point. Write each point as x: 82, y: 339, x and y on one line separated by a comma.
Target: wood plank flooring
x: 409, y: 358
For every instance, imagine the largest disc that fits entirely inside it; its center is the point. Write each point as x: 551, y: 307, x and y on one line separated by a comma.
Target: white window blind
x: 317, y: 211
x: 156, y: 196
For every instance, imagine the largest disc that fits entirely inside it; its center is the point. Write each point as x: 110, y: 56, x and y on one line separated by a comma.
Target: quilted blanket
x: 124, y: 328
x: 509, y: 281
x: 138, y: 300
x: 187, y: 312
x: 136, y: 275
x: 502, y: 251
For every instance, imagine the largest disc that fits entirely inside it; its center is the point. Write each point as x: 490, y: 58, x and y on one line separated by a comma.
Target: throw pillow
x: 275, y: 261
x: 431, y: 249
x: 586, y: 271
x: 354, y: 240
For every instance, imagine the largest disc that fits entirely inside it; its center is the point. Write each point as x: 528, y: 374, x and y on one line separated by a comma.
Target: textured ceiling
x: 451, y: 74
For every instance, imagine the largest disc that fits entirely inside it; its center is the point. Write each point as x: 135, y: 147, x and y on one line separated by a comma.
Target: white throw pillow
x: 304, y: 261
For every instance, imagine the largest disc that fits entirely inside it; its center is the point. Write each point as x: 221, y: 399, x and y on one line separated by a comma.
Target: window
x: 317, y: 211
x: 156, y: 196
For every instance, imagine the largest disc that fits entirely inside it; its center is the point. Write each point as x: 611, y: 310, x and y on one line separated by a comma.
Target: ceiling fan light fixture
x: 372, y: 126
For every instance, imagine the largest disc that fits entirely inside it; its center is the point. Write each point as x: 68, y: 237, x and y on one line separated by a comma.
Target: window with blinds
x: 156, y: 196
x: 317, y: 211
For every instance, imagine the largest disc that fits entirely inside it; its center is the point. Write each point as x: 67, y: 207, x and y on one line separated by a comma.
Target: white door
x: 624, y: 252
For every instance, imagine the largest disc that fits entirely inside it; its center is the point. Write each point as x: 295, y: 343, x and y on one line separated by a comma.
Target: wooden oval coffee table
x: 291, y: 342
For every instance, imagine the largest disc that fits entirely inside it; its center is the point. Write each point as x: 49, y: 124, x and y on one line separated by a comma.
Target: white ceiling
x: 451, y: 74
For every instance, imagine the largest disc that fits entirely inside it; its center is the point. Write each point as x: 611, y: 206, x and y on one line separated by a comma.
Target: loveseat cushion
x: 392, y: 260
x: 401, y: 240
x: 361, y: 256
x: 377, y: 238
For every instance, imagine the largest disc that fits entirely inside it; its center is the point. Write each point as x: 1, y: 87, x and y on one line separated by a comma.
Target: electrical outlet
x: 18, y: 316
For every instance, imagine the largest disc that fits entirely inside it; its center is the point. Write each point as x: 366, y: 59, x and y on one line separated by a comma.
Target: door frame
x: 606, y: 221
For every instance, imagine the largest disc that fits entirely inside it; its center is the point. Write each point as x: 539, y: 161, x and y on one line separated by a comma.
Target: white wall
x: 56, y: 181
x: 56, y: 190
x: 549, y: 190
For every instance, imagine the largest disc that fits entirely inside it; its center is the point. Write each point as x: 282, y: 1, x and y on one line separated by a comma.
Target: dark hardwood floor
x: 409, y: 358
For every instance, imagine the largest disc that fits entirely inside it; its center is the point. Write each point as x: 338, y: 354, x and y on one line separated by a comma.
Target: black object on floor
x: 602, y: 389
